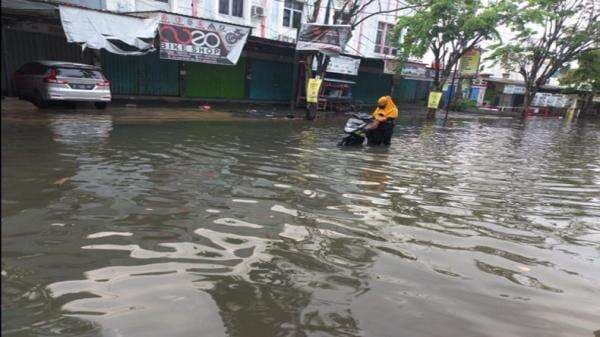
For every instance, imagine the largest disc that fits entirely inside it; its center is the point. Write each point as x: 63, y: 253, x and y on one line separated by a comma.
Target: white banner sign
x: 514, y: 89
x: 341, y: 65
x: 543, y: 99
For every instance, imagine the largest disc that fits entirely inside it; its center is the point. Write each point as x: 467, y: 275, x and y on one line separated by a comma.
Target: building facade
x: 276, y: 19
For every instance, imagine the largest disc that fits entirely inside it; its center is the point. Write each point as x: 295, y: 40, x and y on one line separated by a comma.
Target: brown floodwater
x: 150, y: 227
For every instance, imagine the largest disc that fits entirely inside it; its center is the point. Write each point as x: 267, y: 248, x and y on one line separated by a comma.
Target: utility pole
x: 321, y: 69
x: 451, y: 91
x: 327, y: 12
x: 294, y: 77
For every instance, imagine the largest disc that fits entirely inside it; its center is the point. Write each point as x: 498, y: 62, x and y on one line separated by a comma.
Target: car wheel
x: 100, y: 105
x: 39, y: 101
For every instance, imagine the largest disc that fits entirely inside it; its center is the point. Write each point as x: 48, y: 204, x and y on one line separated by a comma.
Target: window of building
x: 232, y: 7
x: 292, y: 14
x: 383, y: 43
x: 341, y: 17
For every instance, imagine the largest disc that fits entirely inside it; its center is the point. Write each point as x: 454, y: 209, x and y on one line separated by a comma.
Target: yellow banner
x: 312, y: 90
x: 434, y: 99
x: 469, y: 62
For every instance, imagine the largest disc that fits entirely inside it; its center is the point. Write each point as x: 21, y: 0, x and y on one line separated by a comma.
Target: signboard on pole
x: 543, y: 99
x: 341, y: 65
x: 312, y: 90
x: 415, y: 70
x: 514, y: 89
x: 328, y: 39
x: 469, y: 62
x: 199, y: 40
x: 434, y: 99
x: 390, y: 66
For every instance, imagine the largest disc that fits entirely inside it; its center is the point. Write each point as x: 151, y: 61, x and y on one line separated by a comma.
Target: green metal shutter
x: 141, y: 75
x: 158, y: 77
x: 215, y: 81
x: 122, y: 72
x: 270, y: 80
x: 406, y: 91
x: 422, y: 92
x: 369, y: 86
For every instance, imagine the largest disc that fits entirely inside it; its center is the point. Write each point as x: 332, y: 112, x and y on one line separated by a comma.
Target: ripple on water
x: 477, y: 227
x: 236, y: 223
x: 453, y: 211
x: 107, y: 234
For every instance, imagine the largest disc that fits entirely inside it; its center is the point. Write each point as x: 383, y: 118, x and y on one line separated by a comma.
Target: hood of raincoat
x: 385, y: 109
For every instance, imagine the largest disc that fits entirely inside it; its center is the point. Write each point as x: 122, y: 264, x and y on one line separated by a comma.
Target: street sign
x: 199, y: 40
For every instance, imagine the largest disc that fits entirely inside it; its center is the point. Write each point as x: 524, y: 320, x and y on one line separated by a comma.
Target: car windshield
x: 80, y: 73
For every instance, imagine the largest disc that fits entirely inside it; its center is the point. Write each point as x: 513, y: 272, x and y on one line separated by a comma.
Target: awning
x: 338, y: 80
x: 118, y: 34
x: 418, y: 78
x: 24, y: 5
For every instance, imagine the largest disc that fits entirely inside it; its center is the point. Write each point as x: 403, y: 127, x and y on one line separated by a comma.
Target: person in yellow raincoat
x: 380, y: 131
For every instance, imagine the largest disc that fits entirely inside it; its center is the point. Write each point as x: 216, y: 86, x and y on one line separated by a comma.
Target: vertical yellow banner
x: 434, y: 99
x: 312, y: 90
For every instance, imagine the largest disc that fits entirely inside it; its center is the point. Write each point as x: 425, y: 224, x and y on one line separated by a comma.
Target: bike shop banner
x: 328, y: 39
x: 199, y: 40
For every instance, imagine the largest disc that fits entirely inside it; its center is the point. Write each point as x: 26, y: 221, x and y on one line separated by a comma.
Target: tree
x: 352, y: 13
x: 549, y: 34
x: 448, y: 29
x: 586, y: 77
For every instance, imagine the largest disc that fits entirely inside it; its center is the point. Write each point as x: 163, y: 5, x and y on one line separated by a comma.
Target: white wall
x: 269, y: 26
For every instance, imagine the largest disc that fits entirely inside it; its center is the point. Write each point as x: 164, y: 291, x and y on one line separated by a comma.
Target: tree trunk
x: 588, y: 103
x: 311, y: 108
x: 436, y: 86
x: 527, y: 99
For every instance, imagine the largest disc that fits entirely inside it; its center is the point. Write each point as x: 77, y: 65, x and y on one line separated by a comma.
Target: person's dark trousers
x: 381, y: 135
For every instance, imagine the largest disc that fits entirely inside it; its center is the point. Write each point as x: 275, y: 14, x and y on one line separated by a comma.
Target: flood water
x: 481, y: 227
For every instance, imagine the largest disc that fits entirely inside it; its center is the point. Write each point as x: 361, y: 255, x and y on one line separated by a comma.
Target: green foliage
x: 448, y: 28
x: 463, y: 104
x: 548, y: 35
x: 587, y: 75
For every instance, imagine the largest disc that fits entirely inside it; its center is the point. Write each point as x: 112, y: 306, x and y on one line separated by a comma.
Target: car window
x: 32, y: 69
x: 38, y: 69
x: 25, y: 69
x: 80, y: 73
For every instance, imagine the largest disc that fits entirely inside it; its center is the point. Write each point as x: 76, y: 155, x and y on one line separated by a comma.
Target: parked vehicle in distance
x: 44, y: 82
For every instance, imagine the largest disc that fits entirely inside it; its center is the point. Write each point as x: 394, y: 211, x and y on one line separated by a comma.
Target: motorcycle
x: 355, y: 129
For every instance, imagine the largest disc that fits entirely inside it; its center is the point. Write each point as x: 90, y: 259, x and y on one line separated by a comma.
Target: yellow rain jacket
x: 389, y: 109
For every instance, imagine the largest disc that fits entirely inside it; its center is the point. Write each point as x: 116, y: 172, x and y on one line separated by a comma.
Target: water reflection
x: 81, y: 128
x: 482, y: 227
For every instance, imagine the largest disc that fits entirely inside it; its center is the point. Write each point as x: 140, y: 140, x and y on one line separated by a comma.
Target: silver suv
x: 43, y: 82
